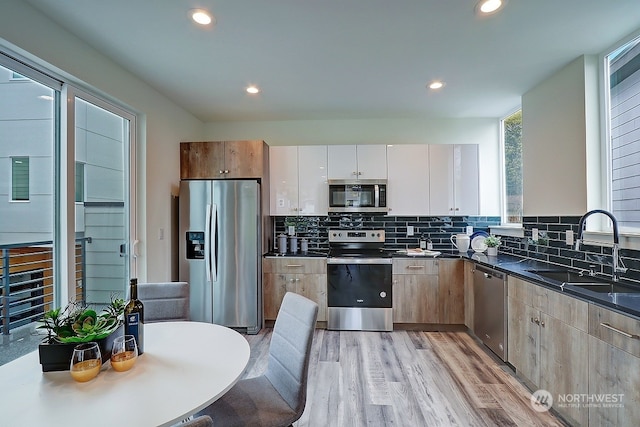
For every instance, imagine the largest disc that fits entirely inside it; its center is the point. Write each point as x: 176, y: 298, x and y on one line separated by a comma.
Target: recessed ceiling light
x: 487, y: 7
x: 201, y: 16
x: 253, y: 89
x: 437, y: 84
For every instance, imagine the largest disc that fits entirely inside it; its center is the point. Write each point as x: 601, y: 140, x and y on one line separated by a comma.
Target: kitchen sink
x: 566, y: 276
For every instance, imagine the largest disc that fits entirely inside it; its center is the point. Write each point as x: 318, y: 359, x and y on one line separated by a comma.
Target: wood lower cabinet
x: 547, y: 334
x: 451, y: 295
x: 614, y: 368
x: 468, y: 295
x: 428, y: 291
x: 415, y: 291
x: 224, y: 159
x: 304, y: 276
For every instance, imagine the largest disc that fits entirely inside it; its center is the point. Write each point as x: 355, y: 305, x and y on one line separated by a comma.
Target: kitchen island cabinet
x: 547, y: 334
x: 304, y: 276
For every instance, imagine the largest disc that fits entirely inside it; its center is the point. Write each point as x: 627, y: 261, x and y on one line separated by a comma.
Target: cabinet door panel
x: 274, y: 286
x: 441, y: 193
x: 524, y: 337
x: 408, y: 179
x: 613, y: 373
x: 314, y: 287
x: 451, y: 291
x: 372, y: 161
x: 244, y: 159
x: 415, y: 299
x: 312, y: 180
x: 564, y: 363
x: 466, y: 179
x: 201, y: 160
x: 283, y: 172
x: 342, y: 162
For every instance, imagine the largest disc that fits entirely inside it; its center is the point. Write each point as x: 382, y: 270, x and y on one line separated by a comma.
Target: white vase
x: 492, y: 251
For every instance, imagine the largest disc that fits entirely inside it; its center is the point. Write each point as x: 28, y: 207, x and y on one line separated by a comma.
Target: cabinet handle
x: 226, y: 171
x: 542, y: 323
x: 626, y: 334
x: 359, y: 173
x: 220, y: 171
x: 535, y: 320
x: 415, y: 266
x: 294, y: 265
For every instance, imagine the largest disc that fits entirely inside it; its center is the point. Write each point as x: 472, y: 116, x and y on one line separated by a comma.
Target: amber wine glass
x: 86, y: 361
x: 124, y: 353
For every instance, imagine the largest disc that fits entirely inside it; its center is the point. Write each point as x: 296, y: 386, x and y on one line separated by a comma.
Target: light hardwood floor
x: 406, y: 378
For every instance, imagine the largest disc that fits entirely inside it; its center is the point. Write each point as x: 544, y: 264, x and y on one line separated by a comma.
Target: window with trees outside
x: 512, y: 140
x: 623, y: 110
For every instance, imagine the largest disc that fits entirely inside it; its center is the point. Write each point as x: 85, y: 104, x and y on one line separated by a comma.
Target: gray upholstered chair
x: 164, y: 301
x: 278, y: 397
x: 201, y: 421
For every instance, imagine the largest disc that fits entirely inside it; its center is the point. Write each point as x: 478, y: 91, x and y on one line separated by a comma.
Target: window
x: 19, y: 178
x: 512, y: 140
x: 623, y: 84
x: 78, y: 259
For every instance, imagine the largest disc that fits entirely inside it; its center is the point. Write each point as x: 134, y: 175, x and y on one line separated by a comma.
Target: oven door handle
x: 383, y: 261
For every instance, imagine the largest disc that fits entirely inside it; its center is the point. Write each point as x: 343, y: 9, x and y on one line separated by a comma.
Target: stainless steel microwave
x: 362, y: 195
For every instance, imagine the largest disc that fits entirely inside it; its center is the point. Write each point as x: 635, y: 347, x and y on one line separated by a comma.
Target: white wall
x: 560, y: 117
x: 484, y: 131
x: 162, y: 126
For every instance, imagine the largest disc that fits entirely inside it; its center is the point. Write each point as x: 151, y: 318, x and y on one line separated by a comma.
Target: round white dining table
x: 185, y: 367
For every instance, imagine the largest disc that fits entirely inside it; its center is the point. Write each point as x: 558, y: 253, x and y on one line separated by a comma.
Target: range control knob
x: 383, y: 294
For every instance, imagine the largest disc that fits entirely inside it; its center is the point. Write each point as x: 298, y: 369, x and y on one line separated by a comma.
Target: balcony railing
x: 27, y: 281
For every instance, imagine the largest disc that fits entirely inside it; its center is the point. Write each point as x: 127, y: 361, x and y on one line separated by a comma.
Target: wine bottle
x: 134, y: 316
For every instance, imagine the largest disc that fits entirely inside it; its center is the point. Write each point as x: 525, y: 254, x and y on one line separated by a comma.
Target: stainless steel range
x: 359, y: 281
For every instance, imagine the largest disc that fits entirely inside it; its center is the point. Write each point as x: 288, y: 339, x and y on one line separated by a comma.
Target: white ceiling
x: 345, y: 59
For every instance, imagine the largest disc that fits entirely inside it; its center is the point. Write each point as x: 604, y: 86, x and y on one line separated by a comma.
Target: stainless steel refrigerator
x: 220, y: 251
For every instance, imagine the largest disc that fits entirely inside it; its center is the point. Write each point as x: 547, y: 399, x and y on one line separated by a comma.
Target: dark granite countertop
x: 516, y: 266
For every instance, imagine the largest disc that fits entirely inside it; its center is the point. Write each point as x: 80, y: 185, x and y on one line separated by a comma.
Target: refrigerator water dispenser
x: 195, y: 244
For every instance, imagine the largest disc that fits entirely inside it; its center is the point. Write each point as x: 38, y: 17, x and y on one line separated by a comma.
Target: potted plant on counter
x: 77, y: 323
x: 492, y: 243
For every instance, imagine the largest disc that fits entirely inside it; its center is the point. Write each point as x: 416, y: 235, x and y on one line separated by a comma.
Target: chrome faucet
x: 618, y: 265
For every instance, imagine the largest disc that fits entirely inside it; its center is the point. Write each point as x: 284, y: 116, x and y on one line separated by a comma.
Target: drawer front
x: 290, y: 265
x: 415, y: 266
x: 616, y: 329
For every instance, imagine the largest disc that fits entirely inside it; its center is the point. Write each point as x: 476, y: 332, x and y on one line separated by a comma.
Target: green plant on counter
x: 78, y: 323
x: 493, y: 241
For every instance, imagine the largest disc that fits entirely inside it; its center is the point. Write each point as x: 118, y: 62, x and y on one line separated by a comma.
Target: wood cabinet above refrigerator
x: 223, y: 159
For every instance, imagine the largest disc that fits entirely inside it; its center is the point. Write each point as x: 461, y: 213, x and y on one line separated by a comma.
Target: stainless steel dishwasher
x: 490, y: 309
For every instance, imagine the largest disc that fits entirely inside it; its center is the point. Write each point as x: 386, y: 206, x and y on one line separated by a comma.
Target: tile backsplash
x: 438, y: 229
x: 551, y: 247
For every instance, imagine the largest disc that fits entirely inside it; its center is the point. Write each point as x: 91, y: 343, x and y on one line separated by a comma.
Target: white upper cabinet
x: 408, y: 179
x: 283, y: 174
x: 357, y: 161
x: 298, y: 180
x: 453, y: 179
x: 313, y: 190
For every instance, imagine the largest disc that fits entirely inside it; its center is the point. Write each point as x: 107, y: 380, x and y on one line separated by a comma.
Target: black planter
x: 57, y: 356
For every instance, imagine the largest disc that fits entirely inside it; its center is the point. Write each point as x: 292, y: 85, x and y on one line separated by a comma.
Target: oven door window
x: 359, y: 285
x: 352, y: 196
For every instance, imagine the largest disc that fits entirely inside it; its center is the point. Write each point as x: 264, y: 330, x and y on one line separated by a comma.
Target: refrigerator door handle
x: 207, y: 245
x: 214, y: 238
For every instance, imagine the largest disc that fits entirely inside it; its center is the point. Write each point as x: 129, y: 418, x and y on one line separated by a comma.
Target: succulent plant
x: 78, y: 323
